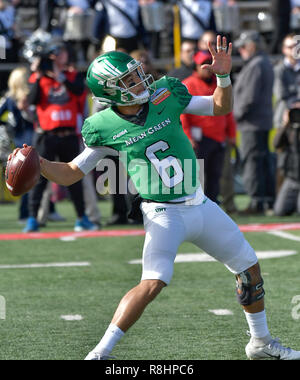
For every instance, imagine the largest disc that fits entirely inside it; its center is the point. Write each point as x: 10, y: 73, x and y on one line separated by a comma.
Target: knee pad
x: 247, y: 290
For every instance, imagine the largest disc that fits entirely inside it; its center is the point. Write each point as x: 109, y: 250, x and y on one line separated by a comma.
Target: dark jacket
x: 253, y: 91
x: 18, y: 121
x: 182, y: 72
x: 288, y: 140
x: 286, y: 87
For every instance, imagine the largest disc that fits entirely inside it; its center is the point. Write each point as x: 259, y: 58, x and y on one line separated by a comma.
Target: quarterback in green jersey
x: 142, y: 126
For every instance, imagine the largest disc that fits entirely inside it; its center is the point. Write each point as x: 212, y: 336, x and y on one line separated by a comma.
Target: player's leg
x: 128, y: 312
x: 250, y: 294
x: 135, y: 301
x: 165, y: 231
x: 230, y: 247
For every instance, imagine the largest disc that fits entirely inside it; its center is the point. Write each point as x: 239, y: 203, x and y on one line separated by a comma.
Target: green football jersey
x: 156, y: 153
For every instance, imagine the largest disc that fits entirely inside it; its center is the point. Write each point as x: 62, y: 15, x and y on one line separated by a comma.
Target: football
x: 23, y: 171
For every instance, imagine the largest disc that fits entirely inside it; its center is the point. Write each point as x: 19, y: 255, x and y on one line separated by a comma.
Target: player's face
x: 132, y: 81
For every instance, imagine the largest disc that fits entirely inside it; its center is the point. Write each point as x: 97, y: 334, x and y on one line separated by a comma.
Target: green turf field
x: 179, y: 324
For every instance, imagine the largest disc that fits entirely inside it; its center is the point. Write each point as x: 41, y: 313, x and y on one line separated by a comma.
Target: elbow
x: 67, y: 183
x: 73, y: 176
x: 61, y: 182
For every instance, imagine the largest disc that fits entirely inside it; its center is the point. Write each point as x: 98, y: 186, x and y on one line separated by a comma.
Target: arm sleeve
x: 89, y: 158
x: 200, y: 105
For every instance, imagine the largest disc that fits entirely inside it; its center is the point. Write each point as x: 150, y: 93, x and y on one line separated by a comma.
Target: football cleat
x: 93, y: 355
x: 272, y: 350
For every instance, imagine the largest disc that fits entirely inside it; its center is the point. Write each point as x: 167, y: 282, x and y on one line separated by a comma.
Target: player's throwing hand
x: 221, y: 57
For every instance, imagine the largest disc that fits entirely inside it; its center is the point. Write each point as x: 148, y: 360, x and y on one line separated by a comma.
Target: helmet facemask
x: 128, y: 96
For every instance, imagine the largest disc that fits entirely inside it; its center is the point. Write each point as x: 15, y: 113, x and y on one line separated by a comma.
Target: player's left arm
x: 221, y: 66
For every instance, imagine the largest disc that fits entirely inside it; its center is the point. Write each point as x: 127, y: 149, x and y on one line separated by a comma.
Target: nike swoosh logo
x: 161, y: 111
x: 272, y: 356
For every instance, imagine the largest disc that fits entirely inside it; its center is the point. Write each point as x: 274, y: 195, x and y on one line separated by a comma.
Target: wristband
x: 223, y: 80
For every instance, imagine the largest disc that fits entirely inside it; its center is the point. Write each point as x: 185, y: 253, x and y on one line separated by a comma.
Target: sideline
x: 133, y: 232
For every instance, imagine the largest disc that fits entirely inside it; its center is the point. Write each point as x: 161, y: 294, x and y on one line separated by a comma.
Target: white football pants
x: 206, y: 225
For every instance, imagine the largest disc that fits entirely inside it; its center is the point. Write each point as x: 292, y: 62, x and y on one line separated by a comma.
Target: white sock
x: 257, y: 324
x: 111, y: 337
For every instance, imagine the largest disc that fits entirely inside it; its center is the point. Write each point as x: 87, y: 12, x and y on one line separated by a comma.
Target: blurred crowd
x: 253, y: 150
x: 86, y: 24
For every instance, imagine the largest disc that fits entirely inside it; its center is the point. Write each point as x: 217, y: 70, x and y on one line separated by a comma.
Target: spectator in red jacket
x: 58, y: 93
x: 208, y: 133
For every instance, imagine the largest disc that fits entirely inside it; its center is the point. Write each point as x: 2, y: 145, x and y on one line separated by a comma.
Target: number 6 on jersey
x: 163, y: 167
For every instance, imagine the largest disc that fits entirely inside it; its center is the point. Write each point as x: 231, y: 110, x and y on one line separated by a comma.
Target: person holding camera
x: 55, y: 91
x: 287, y: 140
x: 287, y: 78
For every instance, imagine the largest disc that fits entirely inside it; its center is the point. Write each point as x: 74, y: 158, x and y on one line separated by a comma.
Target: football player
x: 143, y: 121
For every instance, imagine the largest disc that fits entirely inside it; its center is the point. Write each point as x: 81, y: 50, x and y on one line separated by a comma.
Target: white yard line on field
x: 221, y: 311
x: 284, y: 235
x: 204, y: 257
x: 46, y: 265
x: 72, y: 317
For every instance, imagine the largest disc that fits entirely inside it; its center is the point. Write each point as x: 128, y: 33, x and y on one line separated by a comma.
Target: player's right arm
x: 68, y: 173
x: 62, y: 173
